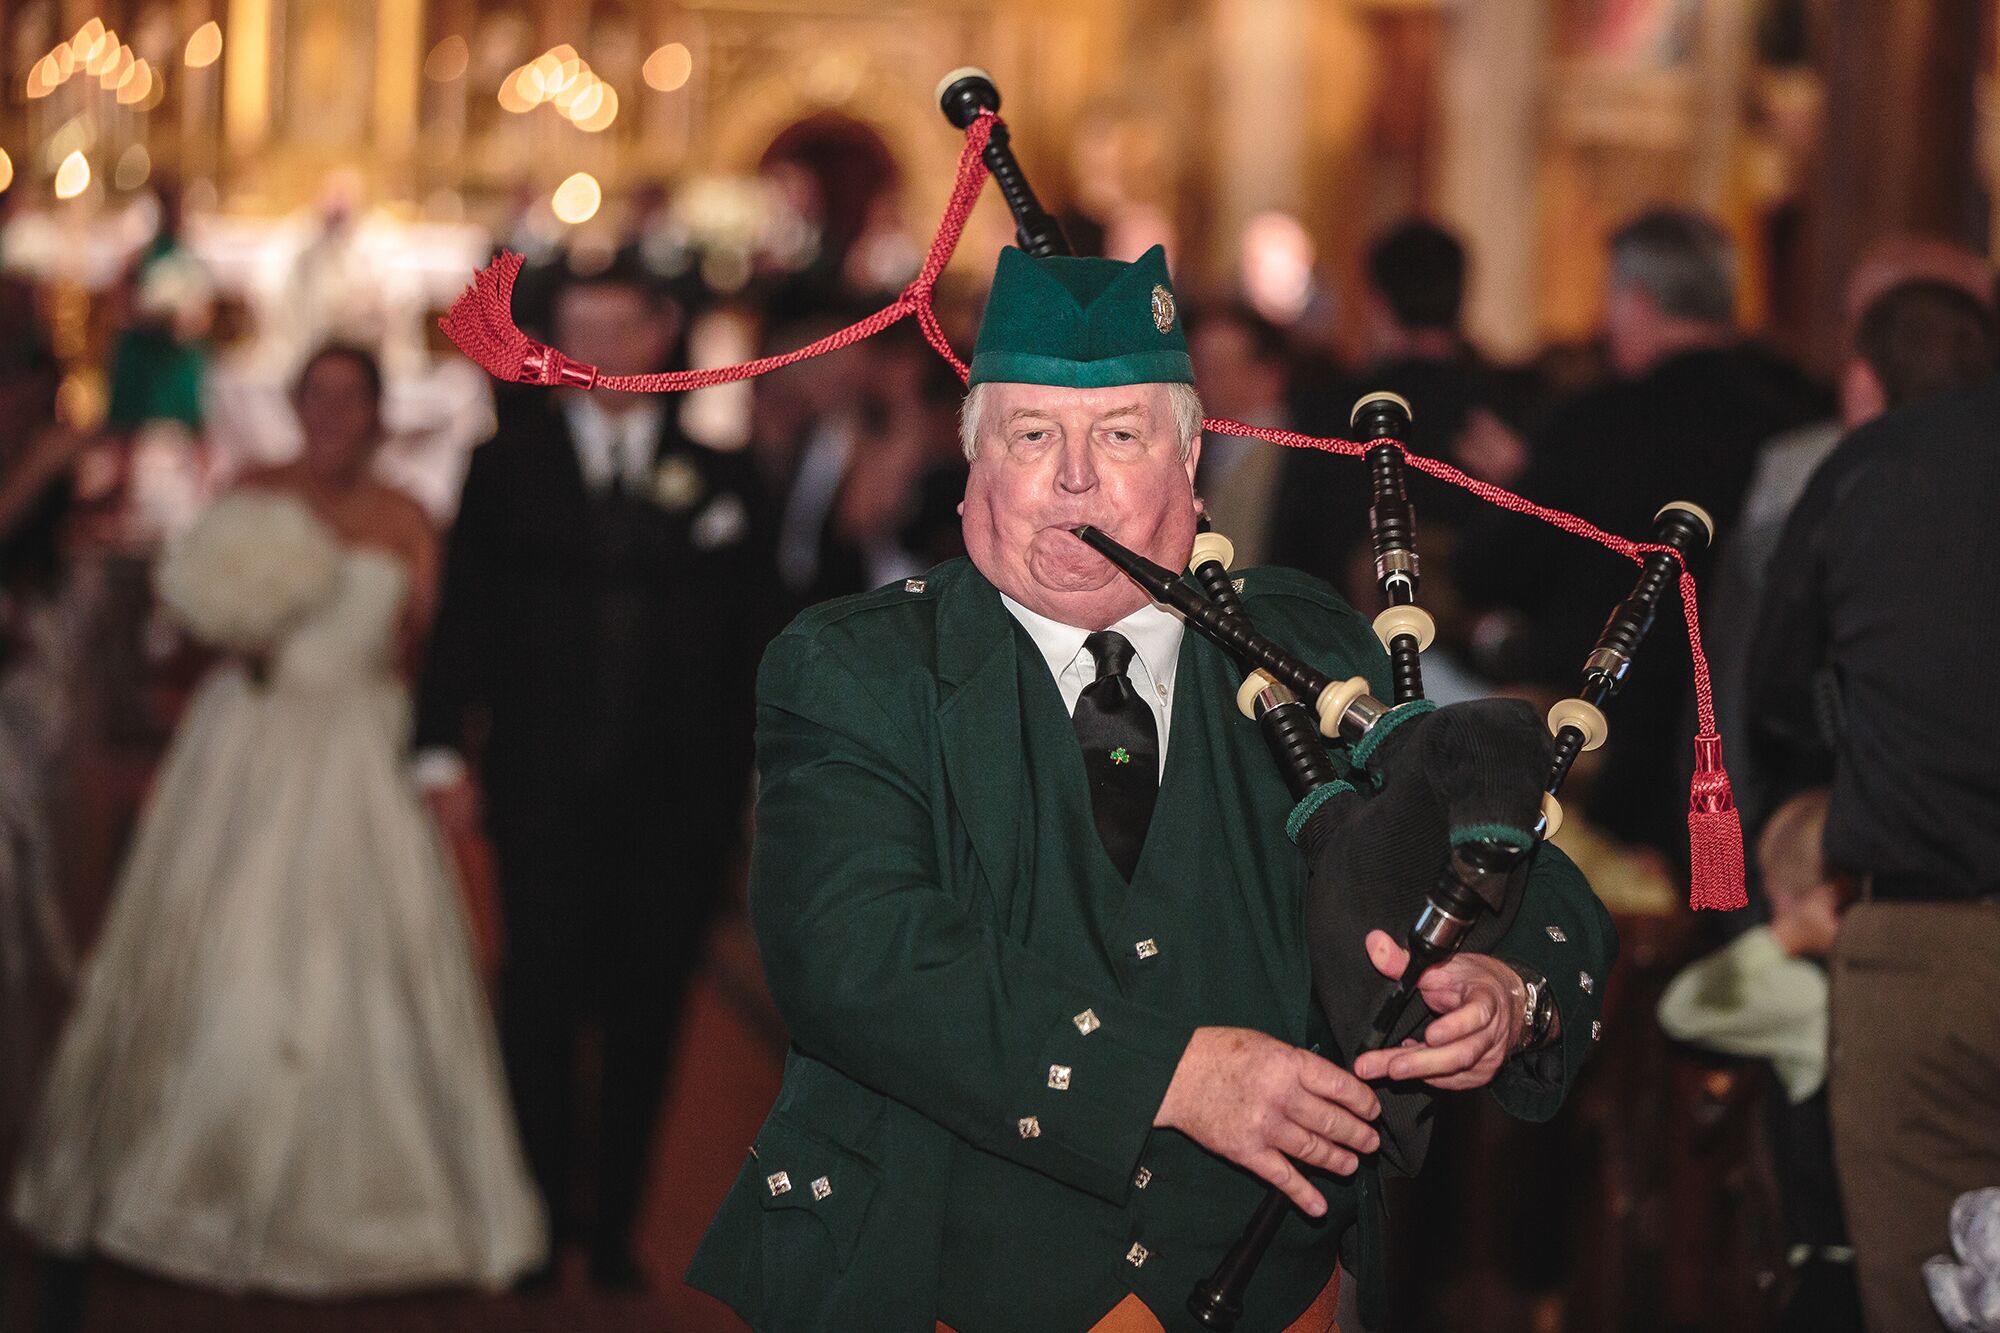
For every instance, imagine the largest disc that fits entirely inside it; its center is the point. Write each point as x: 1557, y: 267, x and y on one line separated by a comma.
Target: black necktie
x: 1121, y: 754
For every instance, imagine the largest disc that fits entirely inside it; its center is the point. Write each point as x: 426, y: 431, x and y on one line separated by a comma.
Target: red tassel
x: 1715, y: 833
x: 481, y: 324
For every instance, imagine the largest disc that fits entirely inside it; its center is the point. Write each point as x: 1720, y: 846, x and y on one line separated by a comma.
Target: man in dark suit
x: 603, y: 592
x: 1025, y: 900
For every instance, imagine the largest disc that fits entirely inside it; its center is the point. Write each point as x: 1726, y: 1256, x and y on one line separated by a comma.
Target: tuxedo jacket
x: 986, y: 1017
x: 602, y: 643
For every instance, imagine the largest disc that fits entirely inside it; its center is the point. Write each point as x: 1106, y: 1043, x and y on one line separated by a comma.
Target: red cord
x: 481, y: 323
x: 481, y: 320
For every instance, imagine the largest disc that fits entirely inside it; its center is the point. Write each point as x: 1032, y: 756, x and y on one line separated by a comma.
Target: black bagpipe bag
x: 1424, y: 780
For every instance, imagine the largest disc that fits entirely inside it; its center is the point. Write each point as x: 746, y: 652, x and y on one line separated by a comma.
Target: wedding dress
x: 280, y: 1074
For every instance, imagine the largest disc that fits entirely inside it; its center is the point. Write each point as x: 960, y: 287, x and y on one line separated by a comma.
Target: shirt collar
x: 1154, y: 632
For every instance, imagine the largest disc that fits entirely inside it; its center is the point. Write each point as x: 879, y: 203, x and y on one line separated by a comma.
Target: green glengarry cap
x: 1081, y: 323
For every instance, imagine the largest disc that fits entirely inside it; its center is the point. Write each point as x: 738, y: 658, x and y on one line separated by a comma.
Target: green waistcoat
x: 943, y: 934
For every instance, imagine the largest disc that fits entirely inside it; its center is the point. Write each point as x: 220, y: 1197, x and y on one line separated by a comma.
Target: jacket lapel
x: 979, y: 720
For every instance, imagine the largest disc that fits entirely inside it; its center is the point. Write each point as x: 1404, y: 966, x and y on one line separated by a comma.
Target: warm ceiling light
x: 511, y: 97
x: 65, y: 62
x: 135, y: 164
x: 105, y: 56
x: 42, y: 78
x: 528, y: 85
x: 668, y: 68
x: 564, y: 53
x: 87, y: 40
x: 6, y: 169
x: 587, y: 102
x: 448, y: 60
x: 73, y: 176
x: 567, y: 97
x: 577, y: 199
x: 137, y: 88
x: 120, y: 71
x: 601, y: 118
x: 204, y: 47
x: 548, y: 68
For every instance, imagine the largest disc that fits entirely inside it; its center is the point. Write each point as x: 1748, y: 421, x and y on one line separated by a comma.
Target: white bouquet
x: 250, y: 567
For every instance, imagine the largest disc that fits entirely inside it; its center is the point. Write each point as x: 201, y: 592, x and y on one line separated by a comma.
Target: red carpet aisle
x: 726, y: 1079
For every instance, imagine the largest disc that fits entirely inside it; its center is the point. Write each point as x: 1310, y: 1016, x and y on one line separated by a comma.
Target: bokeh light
x: 6, y: 169
x: 104, y: 56
x: 668, y: 68
x: 89, y: 40
x: 204, y: 46
x: 135, y: 164
x: 448, y: 60
x: 73, y: 176
x: 138, y: 87
x: 601, y: 118
x: 577, y: 199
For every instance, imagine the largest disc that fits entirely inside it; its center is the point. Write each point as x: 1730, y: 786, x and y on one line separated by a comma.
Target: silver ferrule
x: 1274, y: 694
x: 1440, y: 930
x: 1398, y: 561
x: 1361, y: 716
x: 1608, y: 663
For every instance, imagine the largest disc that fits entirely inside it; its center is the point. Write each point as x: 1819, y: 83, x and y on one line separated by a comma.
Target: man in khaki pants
x: 1872, y: 688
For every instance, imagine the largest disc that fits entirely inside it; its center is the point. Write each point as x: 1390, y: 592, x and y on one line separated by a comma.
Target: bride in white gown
x: 280, y: 1074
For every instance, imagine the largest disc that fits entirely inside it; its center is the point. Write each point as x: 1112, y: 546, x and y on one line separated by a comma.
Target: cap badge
x: 1163, y: 308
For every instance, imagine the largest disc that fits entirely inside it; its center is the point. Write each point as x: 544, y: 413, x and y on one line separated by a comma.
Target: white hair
x: 1181, y: 398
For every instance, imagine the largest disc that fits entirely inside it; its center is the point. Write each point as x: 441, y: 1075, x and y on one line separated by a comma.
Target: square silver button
x: 778, y: 1182
x: 1030, y: 1127
x: 913, y: 585
x: 822, y: 1187
x: 1136, y: 1256
x: 1143, y: 1179
x: 1584, y: 980
x: 1556, y: 934
x: 1596, y: 1029
x: 1059, y: 1077
x: 1146, y: 948
x: 1086, y: 1022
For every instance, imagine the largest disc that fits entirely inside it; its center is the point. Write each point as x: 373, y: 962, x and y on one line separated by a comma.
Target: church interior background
x: 344, y: 165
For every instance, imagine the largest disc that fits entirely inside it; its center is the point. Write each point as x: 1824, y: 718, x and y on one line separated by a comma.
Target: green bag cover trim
x: 1359, y: 752
x: 1518, y: 839
x: 1309, y: 806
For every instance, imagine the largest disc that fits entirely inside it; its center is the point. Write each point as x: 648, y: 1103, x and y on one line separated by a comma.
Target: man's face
x: 613, y: 326
x: 1052, y: 458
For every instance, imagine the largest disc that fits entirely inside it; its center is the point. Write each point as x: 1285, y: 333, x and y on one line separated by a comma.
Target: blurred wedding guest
x: 1868, y: 677
x: 1242, y: 361
x: 40, y: 649
x: 1763, y: 996
x: 160, y: 360
x: 1412, y: 301
x: 280, y: 1074
x: 1731, y: 598
x: 606, y: 590
x: 1690, y: 402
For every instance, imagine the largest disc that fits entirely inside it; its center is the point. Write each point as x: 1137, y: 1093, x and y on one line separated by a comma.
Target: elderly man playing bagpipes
x: 1077, y: 976
x: 1026, y: 900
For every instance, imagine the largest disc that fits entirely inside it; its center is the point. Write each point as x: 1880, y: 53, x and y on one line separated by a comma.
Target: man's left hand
x: 1480, y: 1003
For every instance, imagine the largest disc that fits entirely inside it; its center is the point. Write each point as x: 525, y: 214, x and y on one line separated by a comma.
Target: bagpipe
x: 1412, y: 818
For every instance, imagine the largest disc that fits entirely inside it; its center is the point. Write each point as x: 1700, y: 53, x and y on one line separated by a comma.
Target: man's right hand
x: 1260, y: 1103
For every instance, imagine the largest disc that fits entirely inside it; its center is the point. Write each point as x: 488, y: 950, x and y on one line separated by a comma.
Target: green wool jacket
x: 985, y: 1017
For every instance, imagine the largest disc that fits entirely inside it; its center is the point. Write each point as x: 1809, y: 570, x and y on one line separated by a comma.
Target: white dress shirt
x: 1155, y: 635
x: 610, y: 444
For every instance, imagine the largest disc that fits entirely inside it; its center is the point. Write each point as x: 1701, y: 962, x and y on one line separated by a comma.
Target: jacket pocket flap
x: 802, y: 1171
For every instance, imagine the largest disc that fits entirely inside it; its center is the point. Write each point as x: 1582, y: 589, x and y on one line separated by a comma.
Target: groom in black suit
x: 605, y: 592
